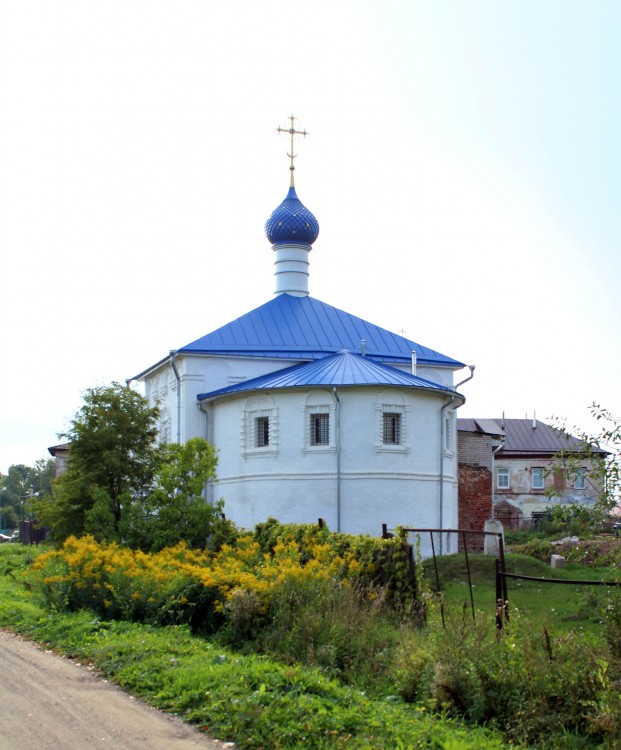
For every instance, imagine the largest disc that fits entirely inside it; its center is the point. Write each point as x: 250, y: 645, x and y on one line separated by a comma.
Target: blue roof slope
x: 304, y: 328
x: 342, y: 369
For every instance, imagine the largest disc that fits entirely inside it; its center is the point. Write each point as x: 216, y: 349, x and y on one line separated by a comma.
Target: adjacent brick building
x: 476, y: 442
x: 505, y: 471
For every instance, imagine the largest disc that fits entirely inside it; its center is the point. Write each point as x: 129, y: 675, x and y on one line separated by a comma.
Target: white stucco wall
x: 198, y: 374
x: 295, y: 482
x: 205, y: 373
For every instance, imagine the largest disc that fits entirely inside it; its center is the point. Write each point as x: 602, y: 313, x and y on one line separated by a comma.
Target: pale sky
x: 463, y: 163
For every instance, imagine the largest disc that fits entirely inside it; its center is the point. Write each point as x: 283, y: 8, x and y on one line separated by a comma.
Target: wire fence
x: 433, y: 543
x: 502, y: 596
x: 527, y: 591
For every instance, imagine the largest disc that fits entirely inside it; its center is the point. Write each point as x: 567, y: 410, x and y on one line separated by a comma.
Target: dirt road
x: 51, y: 703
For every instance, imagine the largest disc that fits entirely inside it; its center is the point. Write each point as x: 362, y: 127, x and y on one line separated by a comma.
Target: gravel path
x: 51, y: 703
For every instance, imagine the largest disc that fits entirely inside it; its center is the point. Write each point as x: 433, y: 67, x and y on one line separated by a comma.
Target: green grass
x: 558, y: 607
x: 255, y: 701
x: 326, y: 672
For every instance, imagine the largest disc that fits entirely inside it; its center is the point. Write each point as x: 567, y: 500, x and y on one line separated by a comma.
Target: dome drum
x: 291, y: 269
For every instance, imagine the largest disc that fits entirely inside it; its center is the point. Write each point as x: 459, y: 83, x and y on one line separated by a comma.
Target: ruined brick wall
x: 475, y: 448
x: 475, y: 479
x: 475, y: 496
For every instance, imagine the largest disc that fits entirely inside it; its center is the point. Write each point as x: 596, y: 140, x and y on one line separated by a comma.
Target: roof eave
x: 205, y: 398
x: 149, y: 370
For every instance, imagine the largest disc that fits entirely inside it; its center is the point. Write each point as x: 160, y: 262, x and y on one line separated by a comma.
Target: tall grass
x: 337, y: 628
x: 308, y: 602
x: 256, y: 701
x: 551, y: 690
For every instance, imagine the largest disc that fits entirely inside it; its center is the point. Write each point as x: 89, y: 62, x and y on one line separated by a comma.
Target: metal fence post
x: 499, y: 602
x: 468, y: 569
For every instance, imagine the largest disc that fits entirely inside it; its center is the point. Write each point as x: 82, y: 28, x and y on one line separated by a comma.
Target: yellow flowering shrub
x: 202, y: 588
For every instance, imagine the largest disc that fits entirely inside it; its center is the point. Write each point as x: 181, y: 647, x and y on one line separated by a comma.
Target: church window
x: 319, y: 429
x: 391, y: 432
x: 262, y: 432
x: 448, y: 432
x: 318, y: 424
x: 164, y: 427
x: 392, y: 424
x: 259, y: 428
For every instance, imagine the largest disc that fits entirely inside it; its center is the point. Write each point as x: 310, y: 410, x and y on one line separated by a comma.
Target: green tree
x: 19, y: 485
x: 600, y: 452
x: 176, y: 510
x: 113, y: 457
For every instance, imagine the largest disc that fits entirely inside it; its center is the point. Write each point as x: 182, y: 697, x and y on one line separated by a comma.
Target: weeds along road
x: 51, y: 703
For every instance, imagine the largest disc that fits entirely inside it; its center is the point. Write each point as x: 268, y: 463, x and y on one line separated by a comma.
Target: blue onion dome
x: 292, y: 223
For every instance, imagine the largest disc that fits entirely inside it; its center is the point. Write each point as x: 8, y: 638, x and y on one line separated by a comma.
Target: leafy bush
x: 536, y: 687
x: 374, y: 564
x: 302, y: 602
x: 612, y: 620
x: 590, y: 552
x: 239, y: 584
x: 569, y: 520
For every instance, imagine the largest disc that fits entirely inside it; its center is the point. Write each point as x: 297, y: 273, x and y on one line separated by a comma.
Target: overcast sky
x: 463, y: 163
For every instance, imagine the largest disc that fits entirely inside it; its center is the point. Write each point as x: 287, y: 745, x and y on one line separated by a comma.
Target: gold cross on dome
x: 292, y: 132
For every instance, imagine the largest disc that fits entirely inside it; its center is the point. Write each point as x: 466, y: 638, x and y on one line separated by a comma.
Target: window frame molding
x: 385, y: 407
x: 249, y: 432
x: 450, y: 436
x: 308, y: 412
x: 503, y: 469
x: 537, y: 469
x: 319, y: 427
x: 580, y: 480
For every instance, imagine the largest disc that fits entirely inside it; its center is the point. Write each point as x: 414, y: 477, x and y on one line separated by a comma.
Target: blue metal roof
x: 304, y: 328
x: 342, y: 369
x: 292, y: 222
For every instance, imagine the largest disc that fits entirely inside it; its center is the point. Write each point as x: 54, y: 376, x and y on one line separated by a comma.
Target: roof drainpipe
x: 173, y: 364
x: 449, y: 402
x: 337, y: 439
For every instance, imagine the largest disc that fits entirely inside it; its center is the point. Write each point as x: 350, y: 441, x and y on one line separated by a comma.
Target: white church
x: 315, y: 413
